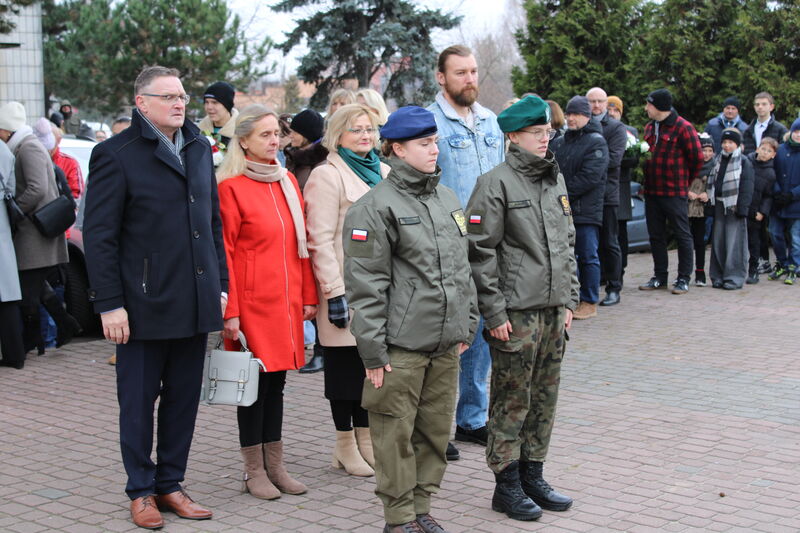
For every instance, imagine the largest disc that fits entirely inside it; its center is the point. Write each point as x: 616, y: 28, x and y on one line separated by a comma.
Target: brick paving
x: 677, y: 413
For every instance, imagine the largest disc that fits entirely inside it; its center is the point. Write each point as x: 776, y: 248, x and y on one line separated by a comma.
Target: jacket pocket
x: 249, y: 273
x: 150, y: 275
x: 402, y: 297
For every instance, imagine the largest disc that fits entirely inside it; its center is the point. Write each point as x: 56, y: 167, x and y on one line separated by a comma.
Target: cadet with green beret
x: 522, y: 255
x: 408, y: 282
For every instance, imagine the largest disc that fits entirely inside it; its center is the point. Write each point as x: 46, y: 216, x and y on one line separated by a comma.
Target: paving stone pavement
x: 677, y: 413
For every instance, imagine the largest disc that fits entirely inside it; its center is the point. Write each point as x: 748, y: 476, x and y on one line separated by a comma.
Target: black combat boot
x: 510, y: 499
x: 540, y: 490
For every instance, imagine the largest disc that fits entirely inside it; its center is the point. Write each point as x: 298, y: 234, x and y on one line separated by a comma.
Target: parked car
x: 77, y: 283
x: 638, y: 238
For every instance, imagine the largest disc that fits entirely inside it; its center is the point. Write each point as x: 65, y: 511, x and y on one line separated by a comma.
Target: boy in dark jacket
x: 762, y: 200
x: 698, y: 200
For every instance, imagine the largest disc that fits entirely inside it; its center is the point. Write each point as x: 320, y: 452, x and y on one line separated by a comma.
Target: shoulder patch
x: 458, y: 216
x: 565, y: 207
x: 475, y: 222
x: 360, y: 235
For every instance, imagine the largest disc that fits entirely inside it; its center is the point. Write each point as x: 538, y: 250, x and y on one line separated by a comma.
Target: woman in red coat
x: 271, y: 286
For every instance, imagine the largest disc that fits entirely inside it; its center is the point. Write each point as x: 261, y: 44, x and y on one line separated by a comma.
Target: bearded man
x: 470, y: 144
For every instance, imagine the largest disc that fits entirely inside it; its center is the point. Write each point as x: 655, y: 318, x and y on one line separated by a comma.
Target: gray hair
x: 151, y: 72
x: 235, y: 163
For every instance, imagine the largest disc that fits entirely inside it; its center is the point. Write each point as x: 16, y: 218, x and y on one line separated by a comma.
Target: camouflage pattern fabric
x: 526, y: 372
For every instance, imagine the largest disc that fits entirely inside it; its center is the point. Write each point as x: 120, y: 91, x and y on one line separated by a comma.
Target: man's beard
x: 465, y: 98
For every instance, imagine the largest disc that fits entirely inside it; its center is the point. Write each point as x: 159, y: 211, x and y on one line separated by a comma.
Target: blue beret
x: 529, y: 111
x: 410, y: 122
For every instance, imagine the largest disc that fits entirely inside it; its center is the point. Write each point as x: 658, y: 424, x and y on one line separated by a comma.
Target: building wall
x: 22, y: 67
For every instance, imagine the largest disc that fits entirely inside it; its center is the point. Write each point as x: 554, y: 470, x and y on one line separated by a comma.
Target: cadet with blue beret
x: 414, y: 308
x: 521, y: 240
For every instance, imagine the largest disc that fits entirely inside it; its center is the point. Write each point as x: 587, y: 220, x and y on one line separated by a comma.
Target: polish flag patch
x: 359, y: 235
x: 474, y: 219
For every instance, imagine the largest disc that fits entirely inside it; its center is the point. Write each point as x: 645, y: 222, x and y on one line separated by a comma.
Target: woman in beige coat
x: 352, y: 169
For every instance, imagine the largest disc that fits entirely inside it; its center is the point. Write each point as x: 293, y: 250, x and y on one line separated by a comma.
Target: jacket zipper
x: 144, y: 276
x: 285, y: 273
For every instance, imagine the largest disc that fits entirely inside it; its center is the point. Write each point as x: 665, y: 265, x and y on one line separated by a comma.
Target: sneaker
x: 777, y: 272
x: 790, y: 276
x: 653, y: 284
x: 764, y: 267
x: 700, y: 278
x: 752, y: 279
x: 681, y: 286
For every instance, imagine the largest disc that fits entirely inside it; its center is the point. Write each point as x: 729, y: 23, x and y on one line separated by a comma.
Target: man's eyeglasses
x: 360, y: 131
x: 541, y: 134
x: 170, y: 98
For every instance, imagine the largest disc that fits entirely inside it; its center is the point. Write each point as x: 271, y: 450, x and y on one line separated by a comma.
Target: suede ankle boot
x: 255, y: 478
x: 509, y: 498
x: 540, y: 490
x: 276, y: 471
x: 364, y: 443
x: 346, y: 455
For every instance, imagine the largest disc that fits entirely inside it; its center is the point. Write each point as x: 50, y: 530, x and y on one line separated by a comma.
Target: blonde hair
x: 343, y: 119
x: 345, y: 95
x: 374, y: 101
x: 234, y: 163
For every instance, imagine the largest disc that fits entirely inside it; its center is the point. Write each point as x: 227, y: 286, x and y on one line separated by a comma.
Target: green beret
x: 530, y: 111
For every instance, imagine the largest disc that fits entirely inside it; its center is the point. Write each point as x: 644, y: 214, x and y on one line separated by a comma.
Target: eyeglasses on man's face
x: 541, y: 134
x: 362, y: 131
x: 170, y: 98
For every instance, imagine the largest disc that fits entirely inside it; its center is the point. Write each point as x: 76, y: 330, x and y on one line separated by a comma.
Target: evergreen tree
x: 95, y: 48
x: 292, y: 101
x: 8, y: 8
x: 354, y: 39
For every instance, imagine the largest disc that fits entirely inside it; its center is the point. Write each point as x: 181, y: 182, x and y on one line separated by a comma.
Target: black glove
x: 338, y: 315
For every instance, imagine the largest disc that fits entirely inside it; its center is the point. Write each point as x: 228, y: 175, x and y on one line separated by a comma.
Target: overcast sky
x: 258, y: 19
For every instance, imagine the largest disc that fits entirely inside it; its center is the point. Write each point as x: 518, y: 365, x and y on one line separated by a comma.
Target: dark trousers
x: 31, y: 283
x: 11, y: 332
x: 698, y: 225
x: 610, y: 252
x: 754, y: 243
x: 764, y: 251
x: 263, y: 421
x: 587, y: 238
x: 658, y: 211
x: 147, y: 369
x: 622, y: 237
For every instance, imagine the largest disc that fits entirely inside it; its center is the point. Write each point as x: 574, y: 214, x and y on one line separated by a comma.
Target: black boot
x: 752, y: 278
x: 66, y: 325
x: 510, y: 499
x: 32, y: 334
x: 540, y: 490
x: 315, y: 365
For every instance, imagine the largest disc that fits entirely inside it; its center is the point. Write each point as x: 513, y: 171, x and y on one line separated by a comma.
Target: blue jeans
x: 777, y: 226
x: 473, y: 397
x: 587, y: 237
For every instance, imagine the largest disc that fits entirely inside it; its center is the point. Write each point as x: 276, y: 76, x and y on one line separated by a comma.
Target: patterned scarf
x: 730, y: 182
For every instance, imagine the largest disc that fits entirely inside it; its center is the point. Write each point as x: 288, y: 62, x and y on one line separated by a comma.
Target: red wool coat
x: 269, y: 283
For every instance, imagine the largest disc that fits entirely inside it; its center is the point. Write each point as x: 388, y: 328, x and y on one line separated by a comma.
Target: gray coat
x: 9, y: 279
x: 36, y: 187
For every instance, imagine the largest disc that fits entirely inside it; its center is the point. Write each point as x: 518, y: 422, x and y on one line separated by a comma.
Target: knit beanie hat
x: 12, y: 116
x: 732, y: 134
x: 578, y: 105
x: 223, y: 92
x: 44, y: 132
x: 706, y: 140
x: 731, y: 100
x: 661, y: 99
x: 795, y: 125
x: 309, y: 124
x: 615, y: 101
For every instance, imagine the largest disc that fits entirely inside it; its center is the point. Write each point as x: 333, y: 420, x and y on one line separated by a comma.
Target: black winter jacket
x: 582, y: 156
x: 616, y: 139
x: 775, y: 129
x: 762, y: 188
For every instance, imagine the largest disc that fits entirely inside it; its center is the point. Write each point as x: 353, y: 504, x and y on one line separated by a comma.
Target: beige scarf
x: 272, y: 173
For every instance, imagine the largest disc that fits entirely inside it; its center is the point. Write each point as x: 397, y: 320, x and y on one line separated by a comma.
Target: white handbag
x: 231, y: 378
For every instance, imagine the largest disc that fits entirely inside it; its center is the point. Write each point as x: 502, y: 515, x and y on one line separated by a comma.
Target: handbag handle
x: 242, y: 341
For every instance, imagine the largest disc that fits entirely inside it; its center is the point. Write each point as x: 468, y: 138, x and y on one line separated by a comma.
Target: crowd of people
x: 431, y: 247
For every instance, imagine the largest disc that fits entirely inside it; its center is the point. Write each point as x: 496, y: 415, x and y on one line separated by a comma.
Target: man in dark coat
x: 157, y: 272
x: 729, y: 118
x: 616, y: 138
x: 764, y: 125
x: 676, y: 157
x: 582, y: 156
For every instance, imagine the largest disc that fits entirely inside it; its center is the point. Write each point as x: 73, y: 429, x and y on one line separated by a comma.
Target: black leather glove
x: 338, y: 314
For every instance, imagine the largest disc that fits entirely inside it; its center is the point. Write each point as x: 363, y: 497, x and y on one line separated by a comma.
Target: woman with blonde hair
x: 271, y: 289
x: 373, y: 100
x: 339, y: 98
x: 352, y: 169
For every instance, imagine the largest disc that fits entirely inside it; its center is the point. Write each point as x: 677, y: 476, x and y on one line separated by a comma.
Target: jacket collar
x: 226, y: 131
x: 407, y: 177
x: 593, y: 126
x: 189, y: 131
x: 531, y: 165
x: 478, y: 110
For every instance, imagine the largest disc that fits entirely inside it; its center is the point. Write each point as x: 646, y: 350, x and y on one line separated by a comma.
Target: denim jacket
x: 465, y: 154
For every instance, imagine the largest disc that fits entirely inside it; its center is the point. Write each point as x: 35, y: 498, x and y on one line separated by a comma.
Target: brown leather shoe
x: 182, y: 505
x: 145, y: 514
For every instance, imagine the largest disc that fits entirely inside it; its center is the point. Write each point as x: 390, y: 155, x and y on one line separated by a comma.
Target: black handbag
x: 54, y: 218
x: 15, y: 213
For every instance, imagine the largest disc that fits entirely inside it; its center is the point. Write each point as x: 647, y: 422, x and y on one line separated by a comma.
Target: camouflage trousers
x: 526, y: 371
x: 409, y: 421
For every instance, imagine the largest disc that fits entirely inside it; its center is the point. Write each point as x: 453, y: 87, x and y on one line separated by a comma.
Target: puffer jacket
x: 522, y: 237
x: 582, y: 156
x: 787, y: 175
x: 406, y: 270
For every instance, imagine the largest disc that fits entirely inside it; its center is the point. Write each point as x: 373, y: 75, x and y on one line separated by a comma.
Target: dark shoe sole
x: 461, y: 437
x: 310, y: 371
x: 515, y: 516
x: 453, y: 457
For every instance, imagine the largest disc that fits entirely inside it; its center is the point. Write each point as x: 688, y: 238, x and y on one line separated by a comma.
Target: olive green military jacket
x: 521, y: 237
x: 406, y: 267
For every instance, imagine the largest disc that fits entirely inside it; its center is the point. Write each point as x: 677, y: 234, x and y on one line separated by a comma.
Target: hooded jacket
x: 787, y: 175
x: 582, y: 157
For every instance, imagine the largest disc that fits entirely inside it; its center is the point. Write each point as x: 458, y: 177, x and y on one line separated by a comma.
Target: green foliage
x: 702, y: 50
x: 10, y: 7
x: 95, y: 48
x: 292, y: 101
x: 354, y: 39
